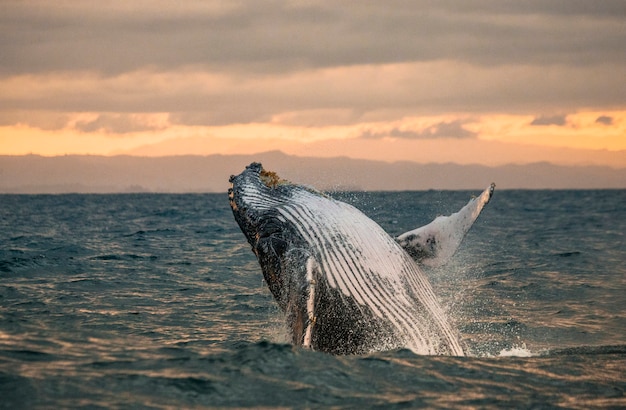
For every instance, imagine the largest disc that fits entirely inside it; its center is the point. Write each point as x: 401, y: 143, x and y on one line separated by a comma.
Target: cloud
x: 44, y: 120
x: 307, y: 63
x: 368, y: 93
x: 605, y: 120
x: 117, y: 124
x: 450, y: 129
x: 283, y: 36
x: 542, y: 120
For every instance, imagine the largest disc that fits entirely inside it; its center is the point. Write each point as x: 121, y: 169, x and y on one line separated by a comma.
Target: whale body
x: 345, y: 285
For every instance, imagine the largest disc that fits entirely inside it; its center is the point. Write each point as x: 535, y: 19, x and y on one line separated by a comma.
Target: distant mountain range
x: 100, y: 174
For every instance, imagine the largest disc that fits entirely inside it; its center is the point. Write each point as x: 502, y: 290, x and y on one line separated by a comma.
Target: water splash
x: 516, y: 351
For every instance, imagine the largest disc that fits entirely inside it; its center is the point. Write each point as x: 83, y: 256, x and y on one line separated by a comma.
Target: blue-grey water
x: 156, y: 301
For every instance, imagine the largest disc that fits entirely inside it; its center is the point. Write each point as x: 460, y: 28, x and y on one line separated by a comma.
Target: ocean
x: 155, y: 301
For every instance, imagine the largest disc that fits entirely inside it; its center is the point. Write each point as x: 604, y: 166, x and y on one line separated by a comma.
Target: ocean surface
x: 155, y: 301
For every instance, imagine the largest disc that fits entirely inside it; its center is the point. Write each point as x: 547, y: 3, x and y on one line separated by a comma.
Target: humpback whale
x: 344, y: 284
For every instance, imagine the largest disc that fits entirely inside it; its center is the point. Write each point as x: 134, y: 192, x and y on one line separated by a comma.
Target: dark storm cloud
x: 278, y: 36
x: 451, y: 129
x: 559, y: 120
x: 605, y: 120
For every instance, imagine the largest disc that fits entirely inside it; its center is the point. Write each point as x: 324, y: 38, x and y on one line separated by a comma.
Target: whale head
x: 254, y: 196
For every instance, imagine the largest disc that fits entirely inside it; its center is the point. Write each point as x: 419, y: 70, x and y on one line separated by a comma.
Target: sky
x: 487, y: 81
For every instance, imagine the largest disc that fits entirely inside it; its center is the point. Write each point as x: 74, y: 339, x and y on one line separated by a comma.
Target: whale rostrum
x: 345, y: 285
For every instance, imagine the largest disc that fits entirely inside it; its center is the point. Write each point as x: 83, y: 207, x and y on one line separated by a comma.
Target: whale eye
x: 271, y: 234
x: 269, y: 227
x: 273, y: 245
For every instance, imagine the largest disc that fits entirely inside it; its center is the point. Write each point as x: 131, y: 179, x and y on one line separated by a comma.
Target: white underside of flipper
x: 311, y: 267
x: 435, y: 243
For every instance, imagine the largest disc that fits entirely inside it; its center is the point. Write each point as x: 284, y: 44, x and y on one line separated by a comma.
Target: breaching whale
x: 345, y: 285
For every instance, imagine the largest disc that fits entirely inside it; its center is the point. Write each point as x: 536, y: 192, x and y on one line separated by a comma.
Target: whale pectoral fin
x: 435, y: 243
x: 302, y: 294
x: 312, y: 274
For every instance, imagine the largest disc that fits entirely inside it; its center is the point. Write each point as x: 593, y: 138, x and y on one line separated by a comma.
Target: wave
x: 587, y: 350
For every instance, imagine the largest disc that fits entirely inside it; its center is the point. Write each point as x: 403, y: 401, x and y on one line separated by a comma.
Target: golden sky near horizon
x: 486, y: 82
